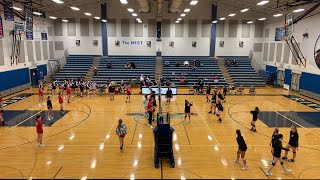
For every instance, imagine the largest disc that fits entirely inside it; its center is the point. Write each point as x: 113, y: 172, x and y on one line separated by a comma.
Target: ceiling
x: 200, y: 11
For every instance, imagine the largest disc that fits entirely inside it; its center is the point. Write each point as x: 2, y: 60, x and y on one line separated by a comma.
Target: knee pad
x: 273, y: 164
x: 281, y: 163
x: 286, y: 149
x: 294, y: 152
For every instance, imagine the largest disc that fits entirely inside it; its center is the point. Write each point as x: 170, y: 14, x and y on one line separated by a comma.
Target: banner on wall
x: 8, y: 11
x: 44, y: 36
x: 29, y: 23
x: 1, y: 28
x: 39, y: 27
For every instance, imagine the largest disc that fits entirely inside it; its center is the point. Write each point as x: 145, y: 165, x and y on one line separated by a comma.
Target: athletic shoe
x: 210, y: 112
x: 49, y: 118
x: 41, y: 145
x: 236, y: 161
x: 291, y: 160
x: 287, y: 171
x: 245, y: 167
x: 269, y: 173
x: 151, y: 126
x: 284, y: 158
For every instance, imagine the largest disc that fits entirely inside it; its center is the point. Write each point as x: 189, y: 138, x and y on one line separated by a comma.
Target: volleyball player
x: 64, y: 86
x: 41, y: 86
x: 68, y: 93
x: 94, y: 87
x: 213, y: 102
x: 151, y: 109
x: 81, y: 87
x: 208, y: 92
x: 1, y: 117
x: 73, y: 87
x: 39, y: 131
x: 111, y: 90
x: 274, y: 137
x: 121, y: 131
x: 277, y: 156
x: 169, y: 96
x: 1, y: 102
x: 40, y: 95
x: 129, y: 91
x: 254, y: 113
x: 145, y: 103
x: 53, y: 87
x: 221, y: 98
x: 187, y: 110
x: 293, y: 144
x: 220, y: 110
x: 60, y: 99
x: 224, y: 91
x: 49, y: 106
x: 242, y: 148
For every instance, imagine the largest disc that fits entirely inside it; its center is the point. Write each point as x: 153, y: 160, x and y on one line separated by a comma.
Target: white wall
x: 7, y: 45
x: 310, y: 25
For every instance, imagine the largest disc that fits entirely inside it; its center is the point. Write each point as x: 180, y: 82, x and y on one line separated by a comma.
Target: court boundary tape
x: 207, y: 126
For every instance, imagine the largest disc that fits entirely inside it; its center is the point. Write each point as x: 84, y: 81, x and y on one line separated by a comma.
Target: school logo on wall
x: 317, y: 52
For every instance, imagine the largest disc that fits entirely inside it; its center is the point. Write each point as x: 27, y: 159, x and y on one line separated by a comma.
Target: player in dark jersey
x: 277, y: 156
x: 274, y: 137
x: 53, y: 88
x: 242, y: 148
x: 81, y: 87
x: 213, y: 102
x: 221, y: 98
x: 187, y: 110
x: 208, y: 92
x: 254, y: 113
x: 220, y: 110
x: 49, y: 106
x: 111, y: 90
x: 224, y: 90
x: 293, y: 144
x: 169, y: 96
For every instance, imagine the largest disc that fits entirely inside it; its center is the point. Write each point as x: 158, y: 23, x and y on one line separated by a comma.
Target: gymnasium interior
x: 265, y: 54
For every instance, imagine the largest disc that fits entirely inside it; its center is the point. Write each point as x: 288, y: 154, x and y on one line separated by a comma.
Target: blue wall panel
x: 14, y: 78
x: 42, y: 68
x: 287, y: 76
x: 310, y: 82
x: 274, y: 70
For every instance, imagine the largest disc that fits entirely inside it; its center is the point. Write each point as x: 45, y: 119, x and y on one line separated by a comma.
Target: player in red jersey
x: 129, y: 92
x: 68, y: 93
x: 41, y: 92
x: 39, y: 131
x: 60, y: 98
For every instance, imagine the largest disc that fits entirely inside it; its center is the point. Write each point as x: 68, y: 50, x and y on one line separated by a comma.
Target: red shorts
x: 122, y: 135
x: 40, y: 131
x: 49, y: 107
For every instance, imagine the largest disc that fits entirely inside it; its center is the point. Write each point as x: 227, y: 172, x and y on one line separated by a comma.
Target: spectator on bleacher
x: 168, y: 81
x: 194, y: 69
x: 109, y: 65
x: 166, y: 63
x: 234, y: 63
x: 141, y: 81
x: 127, y: 66
x: 215, y: 79
x: 197, y: 63
x: 133, y: 65
x: 228, y: 63
x: 186, y: 63
x: 95, y: 71
x: 177, y: 63
x: 183, y: 80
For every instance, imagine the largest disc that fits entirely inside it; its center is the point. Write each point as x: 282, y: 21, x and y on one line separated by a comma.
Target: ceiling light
x: 244, y: 10
x: 262, y: 3
x: 65, y: 20
x: 182, y: 15
x: 179, y: 19
x: 186, y: 10
x: 193, y: 2
x: 58, y: 1
x: 88, y: 14
x: 97, y: 17
x: 213, y: 22
x: 249, y: 22
x: 124, y: 1
x: 75, y: 8
x: 262, y: 19
x: 298, y: 10
x: 221, y: 19
x: 130, y: 9
x: 103, y: 20
x: 16, y: 8
x: 52, y: 17
x: 37, y: 13
x: 277, y: 15
x: 231, y: 15
x: 134, y: 14
x: 138, y: 19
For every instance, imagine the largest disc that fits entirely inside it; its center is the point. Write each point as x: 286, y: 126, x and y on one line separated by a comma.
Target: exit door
x: 33, y: 77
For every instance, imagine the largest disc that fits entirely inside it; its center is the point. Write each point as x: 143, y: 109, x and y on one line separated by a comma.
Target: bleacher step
x: 225, y: 72
x: 90, y: 73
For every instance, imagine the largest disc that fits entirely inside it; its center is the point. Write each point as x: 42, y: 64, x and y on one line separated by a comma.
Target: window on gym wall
x: 280, y: 80
x: 295, y: 82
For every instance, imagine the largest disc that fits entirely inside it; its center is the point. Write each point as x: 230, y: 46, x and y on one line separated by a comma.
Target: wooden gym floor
x: 83, y: 144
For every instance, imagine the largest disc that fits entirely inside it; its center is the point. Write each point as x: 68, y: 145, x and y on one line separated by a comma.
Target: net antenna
x: 291, y: 41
